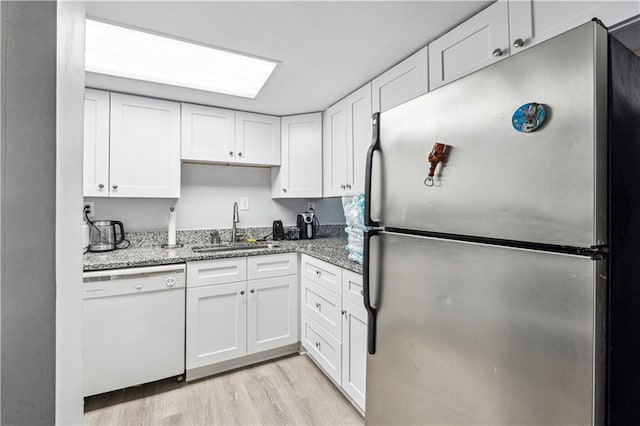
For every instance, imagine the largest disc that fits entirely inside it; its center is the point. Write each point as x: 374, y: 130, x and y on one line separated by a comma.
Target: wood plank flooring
x: 288, y: 391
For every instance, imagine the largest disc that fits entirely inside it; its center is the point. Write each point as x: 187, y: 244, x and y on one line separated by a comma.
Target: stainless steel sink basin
x: 235, y: 248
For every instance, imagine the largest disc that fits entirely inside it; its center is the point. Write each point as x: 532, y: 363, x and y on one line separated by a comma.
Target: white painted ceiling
x: 326, y: 49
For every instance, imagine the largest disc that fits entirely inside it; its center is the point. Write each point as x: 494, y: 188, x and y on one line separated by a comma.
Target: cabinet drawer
x: 273, y: 265
x: 323, y: 306
x: 352, y: 287
x: 327, y: 275
x: 322, y: 347
x: 216, y: 271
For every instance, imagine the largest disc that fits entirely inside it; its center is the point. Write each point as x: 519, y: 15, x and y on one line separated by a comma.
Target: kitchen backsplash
x: 203, y: 236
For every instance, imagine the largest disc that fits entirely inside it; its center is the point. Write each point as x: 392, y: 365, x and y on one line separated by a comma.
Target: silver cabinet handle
x: 317, y: 272
x: 284, y: 190
x: 101, y: 186
x: 253, y: 290
x: 239, y: 154
x: 342, y: 186
x: 497, y: 53
x: 114, y: 186
x: 242, y: 292
x: 348, y: 186
x: 230, y: 153
x: 344, y: 312
x: 518, y: 43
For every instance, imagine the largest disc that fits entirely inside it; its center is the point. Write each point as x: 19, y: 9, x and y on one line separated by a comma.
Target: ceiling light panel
x: 123, y: 52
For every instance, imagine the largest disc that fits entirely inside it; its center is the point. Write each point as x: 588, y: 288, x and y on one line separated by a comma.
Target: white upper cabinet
x: 145, y: 147
x: 96, y: 143
x: 257, y: 139
x: 335, y: 151
x: 358, y: 137
x: 479, y: 41
x: 224, y: 136
x: 533, y: 21
x: 208, y: 133
x: 300, y: 172
x: 403, y: 82
x: 346, y: 138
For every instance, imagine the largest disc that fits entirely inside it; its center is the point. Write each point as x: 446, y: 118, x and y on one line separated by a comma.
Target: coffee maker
x: 308, y: 224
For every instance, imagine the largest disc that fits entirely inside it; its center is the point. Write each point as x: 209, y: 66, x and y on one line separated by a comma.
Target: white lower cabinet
x: 272, y: 313
x: 354, y: 351
x: 334, y: 325
x: 231, y: 314
x: 216, y: 324
x: 324, y: 348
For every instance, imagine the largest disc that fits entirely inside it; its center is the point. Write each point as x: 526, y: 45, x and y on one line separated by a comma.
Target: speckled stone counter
x: 329, y: 249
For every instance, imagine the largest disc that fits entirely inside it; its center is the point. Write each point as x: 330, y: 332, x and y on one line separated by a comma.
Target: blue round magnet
x: 528, y: 117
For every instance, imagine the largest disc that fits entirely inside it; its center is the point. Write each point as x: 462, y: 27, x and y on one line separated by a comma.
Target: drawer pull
x: 317, y: 272
x: 344, y: 312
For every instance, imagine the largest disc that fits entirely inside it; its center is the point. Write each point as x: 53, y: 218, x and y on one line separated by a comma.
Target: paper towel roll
x: 172, y: 226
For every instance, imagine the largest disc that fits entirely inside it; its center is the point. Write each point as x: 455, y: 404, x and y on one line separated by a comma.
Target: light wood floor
x: 288, y: 391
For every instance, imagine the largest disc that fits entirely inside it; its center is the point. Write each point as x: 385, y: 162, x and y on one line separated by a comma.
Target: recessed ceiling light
x: 123, y: 52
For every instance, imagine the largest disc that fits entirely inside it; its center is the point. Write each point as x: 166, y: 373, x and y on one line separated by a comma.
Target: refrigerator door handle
x: 371, y: 311
x: 375, y: 146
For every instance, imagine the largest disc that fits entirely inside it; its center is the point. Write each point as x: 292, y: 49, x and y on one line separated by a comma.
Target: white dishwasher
x: 134, y: 323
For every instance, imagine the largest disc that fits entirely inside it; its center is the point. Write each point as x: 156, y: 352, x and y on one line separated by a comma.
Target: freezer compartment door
x: 469, y: 333
x: 547, y: 186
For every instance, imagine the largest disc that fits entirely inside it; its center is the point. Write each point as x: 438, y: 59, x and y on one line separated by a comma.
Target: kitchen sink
x: 251, y: 247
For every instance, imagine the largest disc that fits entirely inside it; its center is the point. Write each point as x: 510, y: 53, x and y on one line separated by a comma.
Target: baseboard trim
x: 221, y: 367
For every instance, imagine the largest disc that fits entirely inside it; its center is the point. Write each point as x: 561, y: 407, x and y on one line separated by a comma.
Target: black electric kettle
x: 103, y: 235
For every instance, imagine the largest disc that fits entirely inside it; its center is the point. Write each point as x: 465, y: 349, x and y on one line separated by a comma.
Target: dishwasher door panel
x: 132, y: 339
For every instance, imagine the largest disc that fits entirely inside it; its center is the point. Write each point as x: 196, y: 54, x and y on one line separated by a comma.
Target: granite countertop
x: 329, y: 249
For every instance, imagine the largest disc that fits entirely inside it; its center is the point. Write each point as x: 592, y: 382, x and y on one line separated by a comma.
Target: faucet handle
x: 215, y: 237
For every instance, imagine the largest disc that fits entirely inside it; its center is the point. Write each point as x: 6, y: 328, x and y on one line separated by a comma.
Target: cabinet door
x: 96, y: 143
x: 300, y: 173
x: 358, y: 137
x: 354, y: 351
x: 323, y: 306
x: 405, y: 81
x: 257, y: 139
x: 272, y: 265
x: 352, y: 289
x: 216, y: 324
x: 327, y: 275
x: 145, y: 147
x: 272, y: 317
x: 533, y: 21
x: 217, y: 271
x: 335, y: 151
x: 208, y: 134
x: 325, y: 349
x: 479, y: 41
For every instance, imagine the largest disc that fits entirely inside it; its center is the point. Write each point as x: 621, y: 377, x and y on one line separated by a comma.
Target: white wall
x: 206, y: 201
x: 69, y: 139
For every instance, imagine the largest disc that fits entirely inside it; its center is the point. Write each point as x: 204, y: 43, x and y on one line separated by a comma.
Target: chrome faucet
x: 236, y: 219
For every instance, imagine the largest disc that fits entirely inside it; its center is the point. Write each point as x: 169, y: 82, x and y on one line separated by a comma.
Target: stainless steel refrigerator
x: 503, y: 289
